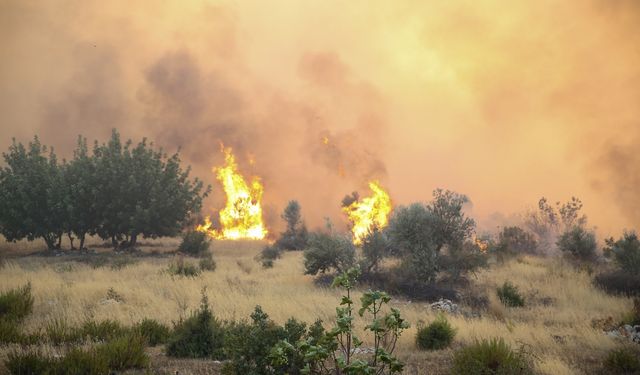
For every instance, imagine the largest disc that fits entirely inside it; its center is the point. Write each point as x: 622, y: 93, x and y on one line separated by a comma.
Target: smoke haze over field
x: 503, y: 101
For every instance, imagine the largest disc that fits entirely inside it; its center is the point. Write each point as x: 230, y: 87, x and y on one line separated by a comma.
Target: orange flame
x: 369, y: 212
x: 242, y: 215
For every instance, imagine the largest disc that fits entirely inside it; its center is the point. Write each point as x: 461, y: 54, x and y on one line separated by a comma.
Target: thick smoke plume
x: 505, y: 102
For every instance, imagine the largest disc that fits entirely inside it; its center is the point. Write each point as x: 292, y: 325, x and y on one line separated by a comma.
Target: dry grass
x: 555, y: 326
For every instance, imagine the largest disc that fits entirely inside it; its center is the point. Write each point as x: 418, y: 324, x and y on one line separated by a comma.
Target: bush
x: 437, y: 335
x: 269, y: 254
x: 248, y: 346
x: 622, y: 361
x: 28, y: 363
x: 105, y: 330
x: 207, y: 263
x: 375, y: 247
x: 194, y: 243
x: 9, y: 332
x: 125, y: 352
x: 619, y: 282
x: 199, y: 336
x: 16, y: 304
x: 490, y: 357
x: 80, y: 362
x: 59, y: 332
x: 515, y: 240
x: 578, y: 242
x: 625, y: 251
x: 181, y: 268
x: 295, y: 236
x: 510, y: 296
x: 155, y: 333
x: 462, y: 259
x: 326, y: 252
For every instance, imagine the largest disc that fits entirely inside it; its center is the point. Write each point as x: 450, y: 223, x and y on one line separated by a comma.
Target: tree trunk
x: 59, y: 244
x: 71, y: 240
x: 114, y: 242
x: 81, y: 237
x: 134, y: 239
x: 49, y: 241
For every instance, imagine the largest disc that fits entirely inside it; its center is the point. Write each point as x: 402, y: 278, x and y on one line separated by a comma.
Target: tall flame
x: 242, y: 215
x: 369, y: 212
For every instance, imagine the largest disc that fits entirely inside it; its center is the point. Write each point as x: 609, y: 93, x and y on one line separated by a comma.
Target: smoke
x: 504, y: 102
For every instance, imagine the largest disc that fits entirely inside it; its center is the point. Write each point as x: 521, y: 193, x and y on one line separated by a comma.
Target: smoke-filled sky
x: 503, y: 101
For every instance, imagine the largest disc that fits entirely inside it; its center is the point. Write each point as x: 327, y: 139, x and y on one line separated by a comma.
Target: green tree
x: 327, y: 251
x: 32, y: 194
x: 296, y: 235
x: 625, y: 251
x: 578, y: 242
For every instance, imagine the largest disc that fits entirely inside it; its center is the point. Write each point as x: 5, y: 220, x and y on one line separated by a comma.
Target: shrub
x: 515, y: 240
x: 326, y: 252
x: 619, y: 282
x: 59, y: 332
x: 578, y: 242
x: 125, y: 352
x: 460, y: 260
x: 622, y: 361
x: 80, y: 362
x: 207, y: 263
x: 248, y: 346
x: 269, y: 254
x: 155, y: 333
x: 16, y: 304
x: 194, y: 243
x: 625, y: 251
x: 332, y: 352
x: 105, y: 330
x: 490, y: 357
x: 199, y: 336
x: 30, y: 362
x: 375, y: 247
x: 510, y: 296
x: 9, y: 332
x: 295, y: 236
x: 437, y: 335
x: 181, y: 268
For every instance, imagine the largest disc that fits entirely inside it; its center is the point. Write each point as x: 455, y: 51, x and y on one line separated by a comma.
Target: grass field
x: 555, y: 326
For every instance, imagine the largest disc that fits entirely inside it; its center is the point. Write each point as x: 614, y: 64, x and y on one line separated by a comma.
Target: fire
x: 242, y: 215
x: 369, y: 212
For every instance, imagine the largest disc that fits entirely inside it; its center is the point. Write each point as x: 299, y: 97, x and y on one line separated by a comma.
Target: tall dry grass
x: 555, y: 326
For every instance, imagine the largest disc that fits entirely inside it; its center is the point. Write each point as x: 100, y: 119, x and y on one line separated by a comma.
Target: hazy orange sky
x: 503, y: 101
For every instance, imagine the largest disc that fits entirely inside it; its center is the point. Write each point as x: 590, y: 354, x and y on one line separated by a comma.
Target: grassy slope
x: 555, y: 326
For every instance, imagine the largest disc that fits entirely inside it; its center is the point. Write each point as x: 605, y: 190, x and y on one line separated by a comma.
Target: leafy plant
x: 578, y: 242
x: 125, y: 352
x: 625, y: 251
x: 195, y: 243
x: 199, y: 336
x: 334, y: 351
x: 622, y: 361
x: 295, y: 236
x: 490, y: 357
x: 269, y: 254
x: 155, y: 333
x: 181, y: 268
x: 326, y: 252
x: 105, y: 330
x: 510, y: 296
x: 437, y: 335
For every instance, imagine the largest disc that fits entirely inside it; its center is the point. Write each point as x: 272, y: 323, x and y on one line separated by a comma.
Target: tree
x: 375, y: 247
x: 625, y: 251
x: 452, y: 227
x: 295, y: 236
x: 142, y: 192
x: 548, y: 222
x: 326, y: 252
x: 578, y: 242
x: 80, y: 177
x: 32, y: 194
x: 515, y: 240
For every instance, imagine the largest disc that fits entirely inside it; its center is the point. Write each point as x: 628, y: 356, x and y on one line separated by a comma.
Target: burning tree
x: 367, y: 213
x: 242, y: 215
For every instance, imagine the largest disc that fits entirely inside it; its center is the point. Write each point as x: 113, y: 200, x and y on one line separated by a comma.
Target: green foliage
x: 59, y: 332
x: 619, y: 282
x: 105, y: 330
x: 155, y: 333
x: 248, y: 345
x: 181, y: 268
x: 199, y: 336
x: 125, y: 352
x: 437, y: 335
x: 578, y: 242
x: 269, y: 254
x: 16, y: 304
x: 490, y: 357
x: 28, y: 363
x: 326, y: 252
x: 333, y: 351
x: 375, y: 247
x: 625, y: 251
x: 32, y: 194
x: 195, y: 243
x: 509, y: 295
x: 295, y: 236
x: 622, y: 361
x: 81, y: 362
x: 10, y: 332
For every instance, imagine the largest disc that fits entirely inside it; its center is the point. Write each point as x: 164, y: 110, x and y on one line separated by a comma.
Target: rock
x: 445, y: 305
